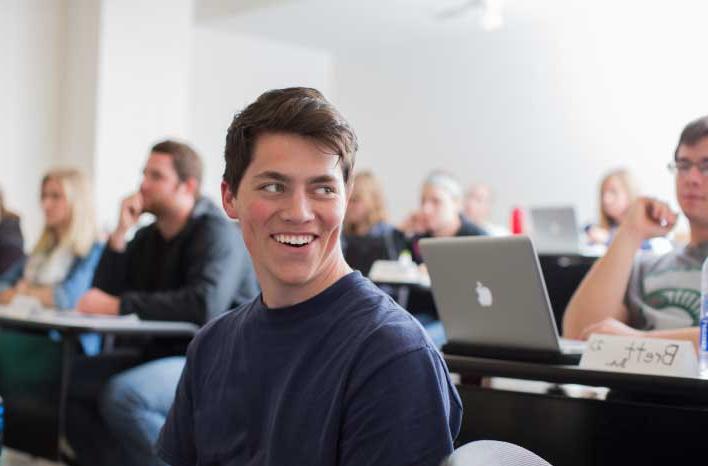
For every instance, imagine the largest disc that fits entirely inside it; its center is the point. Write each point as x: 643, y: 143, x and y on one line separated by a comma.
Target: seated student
x: 440, y: 215
x: 477, y: 207
x: 61, y: 265
x: 189, y: 265
x: 617, y: 192
x: 441, y: 211
x: 367, y: 235
x: 11, y: 241
x: 644, y: 294
x: 320, y: 369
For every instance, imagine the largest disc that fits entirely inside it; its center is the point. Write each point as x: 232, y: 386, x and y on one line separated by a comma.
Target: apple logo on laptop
x: 484, y: 295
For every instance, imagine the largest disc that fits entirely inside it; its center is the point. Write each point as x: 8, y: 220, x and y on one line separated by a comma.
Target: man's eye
x: 272, y: 188
x: 325, y: 190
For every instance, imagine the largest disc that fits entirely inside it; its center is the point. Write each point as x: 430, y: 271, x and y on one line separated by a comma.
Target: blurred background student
x: 367, y: 234
x: 477, y: 207
x: 11, y: 241
x: 618, y: 190
x: 60, y: 267
x: 440, y: 213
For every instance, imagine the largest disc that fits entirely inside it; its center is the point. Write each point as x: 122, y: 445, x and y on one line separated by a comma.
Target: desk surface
x: 687, y: 388
x: 71, y: 322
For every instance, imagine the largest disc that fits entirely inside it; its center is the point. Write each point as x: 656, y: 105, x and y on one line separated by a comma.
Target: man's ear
x: 191, y: 185
x: 228, y: 200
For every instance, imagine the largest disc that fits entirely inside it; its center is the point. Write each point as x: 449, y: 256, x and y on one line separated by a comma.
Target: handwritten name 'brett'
x: 637, y: 353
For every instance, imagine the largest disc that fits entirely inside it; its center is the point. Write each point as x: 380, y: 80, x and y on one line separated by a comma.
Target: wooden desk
x: 644, y: 420
x: 35, y: 403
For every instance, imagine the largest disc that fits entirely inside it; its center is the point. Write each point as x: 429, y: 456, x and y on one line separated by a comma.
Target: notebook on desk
x: 492, y: 300
x: 554, y: 230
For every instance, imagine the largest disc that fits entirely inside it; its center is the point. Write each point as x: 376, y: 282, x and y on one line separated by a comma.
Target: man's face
x: 439, y: 208
x: 477, y: 204
x: 160, y: 184
x: 291, y: 204
x: 57, y: 211
x: 692, y: 186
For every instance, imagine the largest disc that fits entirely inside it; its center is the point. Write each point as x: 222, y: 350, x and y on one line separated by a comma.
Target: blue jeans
x: 134, y: 406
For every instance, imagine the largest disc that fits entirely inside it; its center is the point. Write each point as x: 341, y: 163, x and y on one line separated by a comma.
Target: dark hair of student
x: 296, y: 110
x: 186, y: 161
x: 4, y: 213
x: 693, y: 133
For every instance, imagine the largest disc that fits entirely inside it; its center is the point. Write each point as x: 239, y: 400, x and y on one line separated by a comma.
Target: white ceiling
x: 344, y: 24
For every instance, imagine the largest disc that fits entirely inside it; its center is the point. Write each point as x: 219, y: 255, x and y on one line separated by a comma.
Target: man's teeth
x: 297, y: 240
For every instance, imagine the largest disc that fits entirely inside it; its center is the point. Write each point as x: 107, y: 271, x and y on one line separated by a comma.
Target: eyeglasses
x: 683, y: 166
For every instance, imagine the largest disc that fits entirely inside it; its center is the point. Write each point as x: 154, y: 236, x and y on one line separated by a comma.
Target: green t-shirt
x: 664, y: 292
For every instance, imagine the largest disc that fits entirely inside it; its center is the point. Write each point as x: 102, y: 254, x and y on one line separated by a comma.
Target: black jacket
x: 200, y: 273
x: 11, y: 242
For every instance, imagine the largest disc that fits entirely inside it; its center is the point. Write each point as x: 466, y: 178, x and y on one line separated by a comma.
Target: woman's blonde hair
x: 82, y: 232
x: 627, y: 181
x: 368, y: 183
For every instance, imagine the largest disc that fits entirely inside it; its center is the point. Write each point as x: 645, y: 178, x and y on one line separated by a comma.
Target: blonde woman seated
x: 11, y: 241
x: 618, y: 191
x: 367, y: 234
x: 61, y: 265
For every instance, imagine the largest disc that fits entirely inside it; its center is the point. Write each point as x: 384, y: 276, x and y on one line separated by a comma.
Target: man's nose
x: 298, y: 208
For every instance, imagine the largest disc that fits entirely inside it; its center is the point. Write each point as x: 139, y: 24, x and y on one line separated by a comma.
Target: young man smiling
x: 322, y: 368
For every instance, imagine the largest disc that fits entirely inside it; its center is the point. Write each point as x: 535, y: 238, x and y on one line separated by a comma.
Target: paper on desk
x: 384, y: 271
x: 73, y: 314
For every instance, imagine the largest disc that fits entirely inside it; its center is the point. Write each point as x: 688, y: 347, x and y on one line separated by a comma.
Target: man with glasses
x: 647, y: 295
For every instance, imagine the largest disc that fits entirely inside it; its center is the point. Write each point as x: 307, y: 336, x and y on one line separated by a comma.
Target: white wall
x: 31, y: 52
x: 231, y: 71
x: 539, y: 109
x: 78, y: 107
x: 145, y: 51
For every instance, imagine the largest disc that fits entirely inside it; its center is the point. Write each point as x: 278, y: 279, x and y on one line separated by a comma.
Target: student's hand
x: 130, y: 210
x: 648, y: 218
x: 6, y: 296
x: 413, y: 224
x: 598, y: 235
x: 95, y: 301
x: 22, y: 287
x: 610, y: 326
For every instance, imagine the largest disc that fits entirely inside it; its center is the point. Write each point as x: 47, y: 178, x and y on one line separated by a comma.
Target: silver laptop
x: 492, y: 299
x: 554, y: 230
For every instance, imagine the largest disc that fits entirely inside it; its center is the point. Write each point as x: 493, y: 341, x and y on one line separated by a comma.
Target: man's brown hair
x: 296, y: 110
x: 186, y: 161
x: 693, y: 133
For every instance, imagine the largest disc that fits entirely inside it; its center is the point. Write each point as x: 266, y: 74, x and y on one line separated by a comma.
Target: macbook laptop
x: 492, y: 299
x: 554, y: 230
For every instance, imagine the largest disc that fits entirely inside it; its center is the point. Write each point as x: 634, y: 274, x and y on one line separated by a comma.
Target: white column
x: 143, y: 90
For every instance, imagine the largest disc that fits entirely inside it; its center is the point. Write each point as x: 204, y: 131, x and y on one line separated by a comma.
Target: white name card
x: 653, y: 356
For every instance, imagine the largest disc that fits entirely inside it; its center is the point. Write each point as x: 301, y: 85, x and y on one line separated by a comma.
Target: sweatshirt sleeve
x: 212, y: 269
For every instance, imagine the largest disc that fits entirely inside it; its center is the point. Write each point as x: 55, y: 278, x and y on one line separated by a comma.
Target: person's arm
x: 45, y: 294
x: 212, y: 276
x: 611, y: 326
x: 601, y: 294
x: 385, y: 424
x: 689, y: 333
x: 9, y: 279
x: 66, y: 294
x: 111, y: 274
